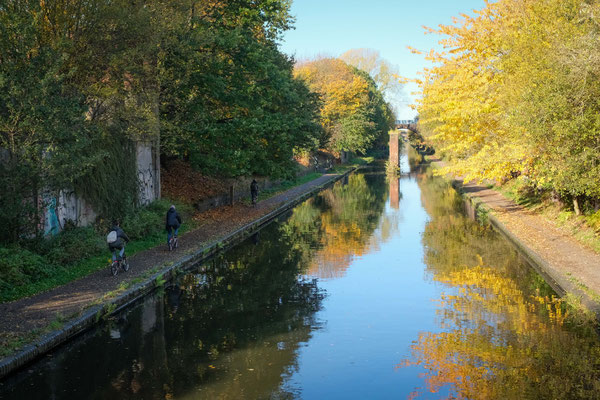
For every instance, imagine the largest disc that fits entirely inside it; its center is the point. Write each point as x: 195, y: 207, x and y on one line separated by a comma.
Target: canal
x: 375, y: 288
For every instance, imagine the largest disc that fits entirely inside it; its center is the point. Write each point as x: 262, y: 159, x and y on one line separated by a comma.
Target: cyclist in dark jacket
x: 173, y: 222
x: 118, y: 244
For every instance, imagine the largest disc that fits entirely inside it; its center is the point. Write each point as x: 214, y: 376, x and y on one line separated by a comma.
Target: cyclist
x: 116, y: 240
x: 173, y: 223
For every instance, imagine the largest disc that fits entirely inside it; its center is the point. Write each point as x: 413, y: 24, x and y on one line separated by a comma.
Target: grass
x: 366, y: 160
x: 521, y: 193
x: 14, y: 341
x: 85, y: 267
x: 584, y: 288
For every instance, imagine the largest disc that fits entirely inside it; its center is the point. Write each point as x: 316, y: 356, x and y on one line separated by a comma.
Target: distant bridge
x: 407, y: 124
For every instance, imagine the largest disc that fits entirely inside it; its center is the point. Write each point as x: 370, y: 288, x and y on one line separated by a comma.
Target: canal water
x: 374, y: 289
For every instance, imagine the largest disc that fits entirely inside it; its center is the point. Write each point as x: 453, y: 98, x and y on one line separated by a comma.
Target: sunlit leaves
x: 354, y: 113
x: 515, y: 91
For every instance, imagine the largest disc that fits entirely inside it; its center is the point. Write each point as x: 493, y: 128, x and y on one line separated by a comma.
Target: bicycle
x: 119, y: 264
x: 173, y: 242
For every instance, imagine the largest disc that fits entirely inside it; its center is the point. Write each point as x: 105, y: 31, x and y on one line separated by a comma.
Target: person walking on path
x: 173, y: 223
x: 254, y: 191
x: 116, y: 240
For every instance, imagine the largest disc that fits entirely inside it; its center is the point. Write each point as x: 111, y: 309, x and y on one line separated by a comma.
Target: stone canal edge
x: 98, y: 312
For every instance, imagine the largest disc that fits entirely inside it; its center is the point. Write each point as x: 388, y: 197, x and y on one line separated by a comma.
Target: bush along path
x: 32, y: 326
x: 571, y: 268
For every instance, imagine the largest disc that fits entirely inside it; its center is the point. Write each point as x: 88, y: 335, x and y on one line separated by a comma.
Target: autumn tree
x: 381, y: 70
x: 354, y: 113
x: 514, y: 93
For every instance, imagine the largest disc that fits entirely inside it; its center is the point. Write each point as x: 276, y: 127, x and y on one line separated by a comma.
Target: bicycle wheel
x: 176, y: 243
x: 114, y: 268
x: 125, y: 264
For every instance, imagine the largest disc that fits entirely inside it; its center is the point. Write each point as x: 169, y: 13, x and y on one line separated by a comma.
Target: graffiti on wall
x: 148, y: 177
x: 146, y: 182
x: 51, y: 226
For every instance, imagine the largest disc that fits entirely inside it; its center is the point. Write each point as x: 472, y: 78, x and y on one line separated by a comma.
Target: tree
x: 381, y: 70
x: 353, y: 113
x: 83, y: 81
x: 45, y: 140
x: 229, y: 102
x: 515, y: 92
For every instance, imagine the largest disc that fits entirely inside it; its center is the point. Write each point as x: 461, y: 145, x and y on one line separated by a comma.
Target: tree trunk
x: 576, y: 206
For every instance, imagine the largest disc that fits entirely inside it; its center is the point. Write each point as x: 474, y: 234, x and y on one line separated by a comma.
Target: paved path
x: 67, y: 301
x: 566, y: 260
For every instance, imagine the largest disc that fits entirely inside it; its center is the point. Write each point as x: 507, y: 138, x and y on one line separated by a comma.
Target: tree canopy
x: 354, y: 113
x: 80, y: 82
x: 515, y: 92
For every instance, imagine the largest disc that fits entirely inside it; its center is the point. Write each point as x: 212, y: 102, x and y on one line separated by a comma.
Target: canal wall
x: 97, y: 313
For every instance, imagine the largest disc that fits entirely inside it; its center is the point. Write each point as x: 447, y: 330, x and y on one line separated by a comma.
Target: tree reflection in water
x: 504, y: 334
x: 337, y: 225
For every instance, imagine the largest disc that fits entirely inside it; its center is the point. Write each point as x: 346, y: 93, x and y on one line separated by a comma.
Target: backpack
x: 111, y: 237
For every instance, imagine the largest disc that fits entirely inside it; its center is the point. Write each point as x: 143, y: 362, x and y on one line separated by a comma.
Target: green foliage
x: 142, y: 223
x: 356, y: 133
x: 44, y: 137
x: 392, y: 170
x: 73, y: 245
x: 287, y: 184
x: 594, y: 220
x: 229, y: 101
x: 111, y: 187
x: 20, y: 267
x: 362, y: 160
x: 80, y: 82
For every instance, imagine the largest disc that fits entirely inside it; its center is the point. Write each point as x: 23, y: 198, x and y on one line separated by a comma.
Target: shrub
x: 20, y: 267
x: 142, y: 223
x: 151, y: 219
x: 593, y: 220
x: 74, y: 244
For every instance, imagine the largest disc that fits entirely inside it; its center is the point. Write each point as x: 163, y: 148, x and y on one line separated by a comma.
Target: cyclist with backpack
x: 173, y: 223
x: 116, y: 240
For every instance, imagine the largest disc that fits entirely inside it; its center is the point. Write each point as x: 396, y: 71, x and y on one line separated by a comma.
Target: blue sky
x: 331, y: 27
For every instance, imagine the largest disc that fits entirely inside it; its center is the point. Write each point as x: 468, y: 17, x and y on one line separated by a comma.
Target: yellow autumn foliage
x: 354, y: 113
x: 514, y: 92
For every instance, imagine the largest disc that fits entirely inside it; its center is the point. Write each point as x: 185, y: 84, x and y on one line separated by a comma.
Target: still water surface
x: 373, y: 289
